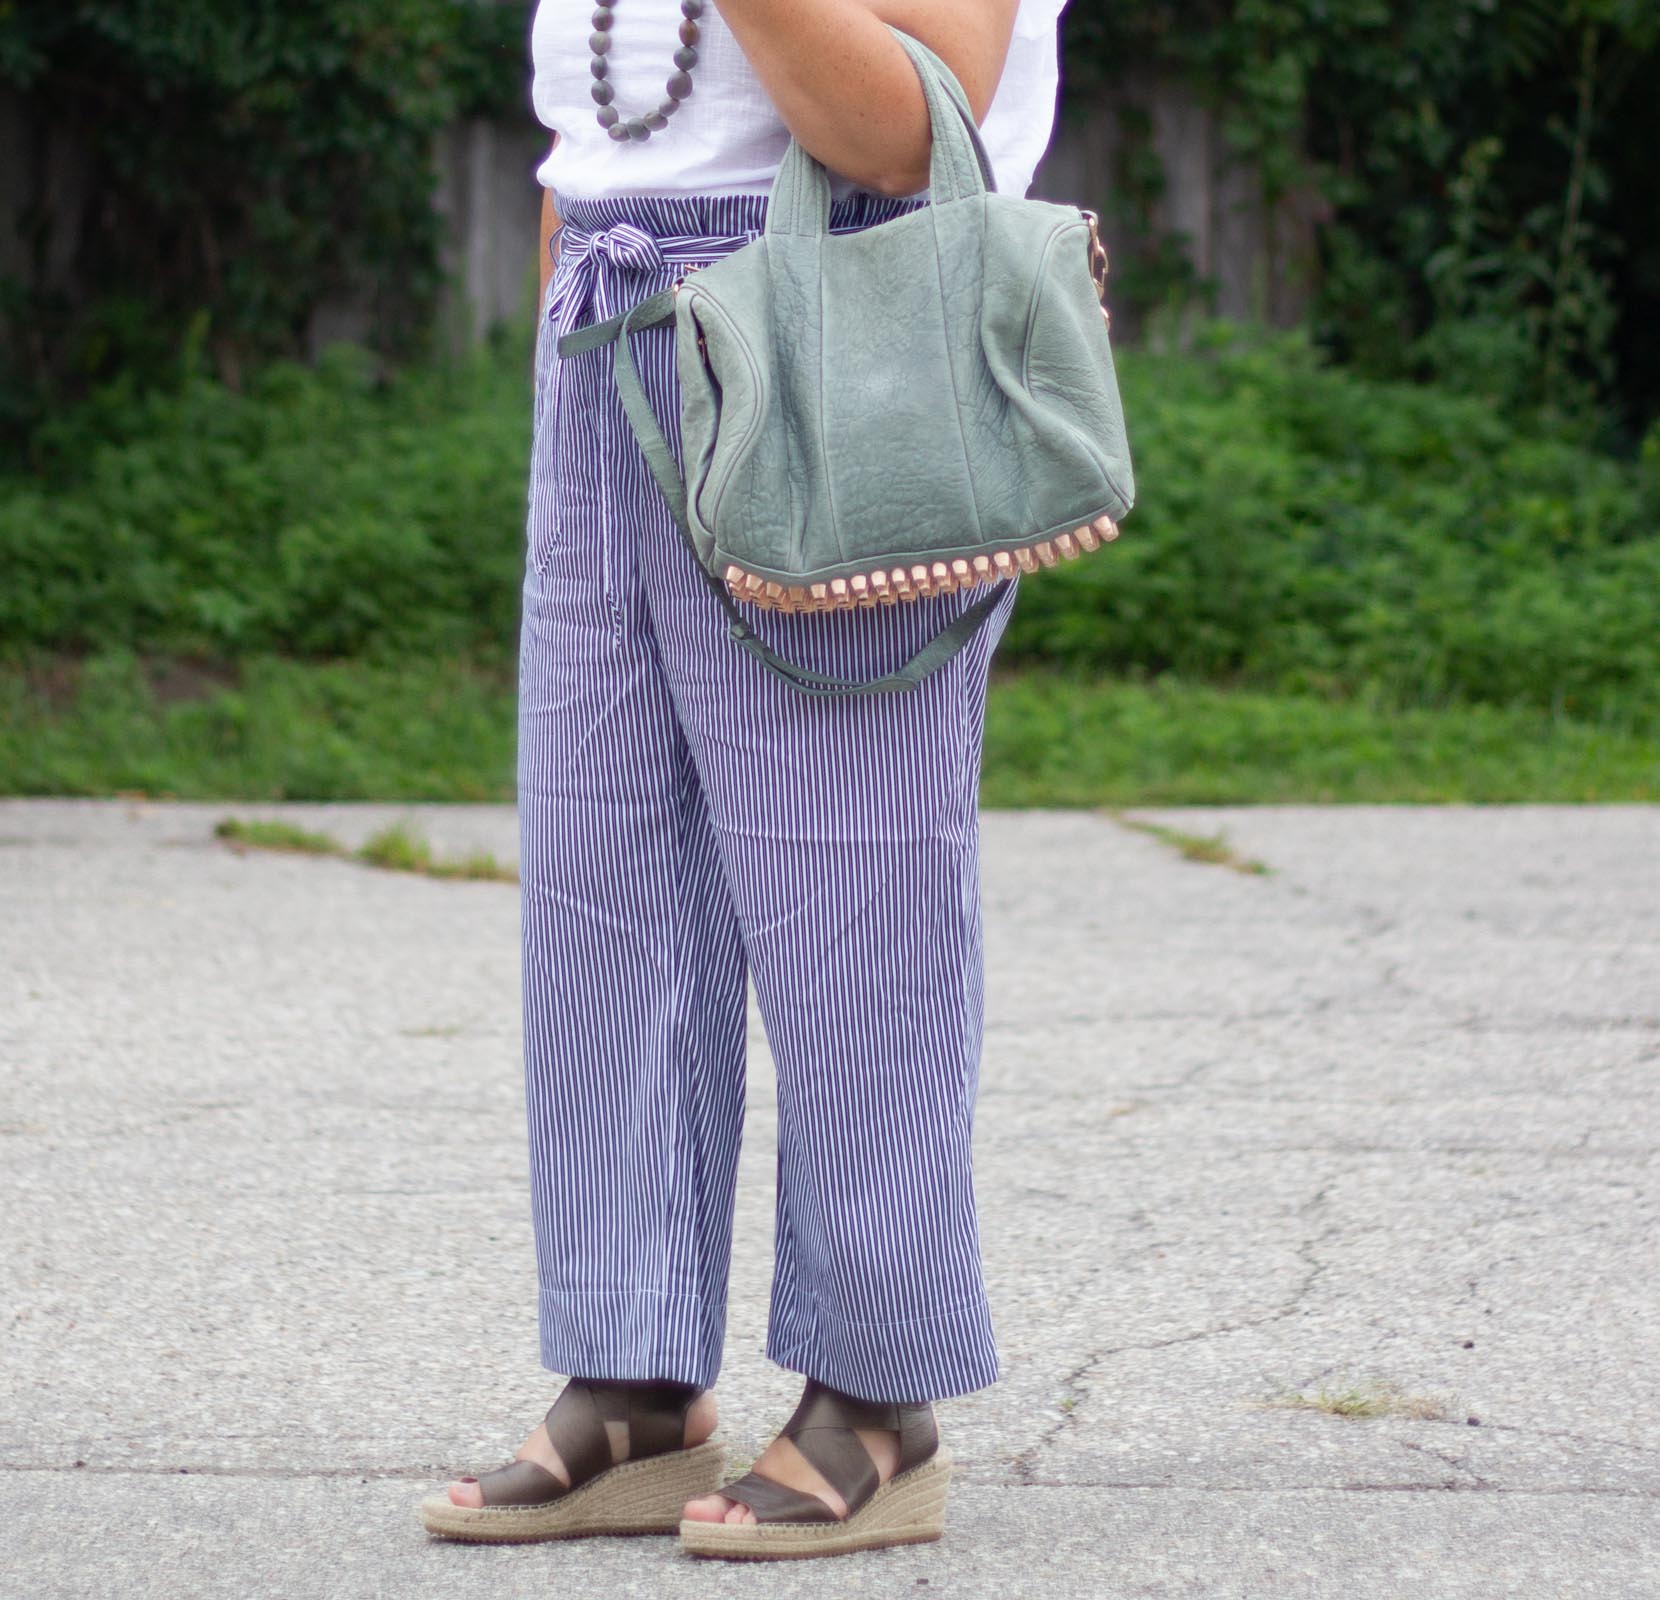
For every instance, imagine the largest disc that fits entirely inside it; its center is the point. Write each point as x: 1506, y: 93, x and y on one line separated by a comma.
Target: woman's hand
x: 845, y: 87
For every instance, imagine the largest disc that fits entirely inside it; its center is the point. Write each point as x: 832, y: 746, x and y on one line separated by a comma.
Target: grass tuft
x: 396, y: 849
x: 481, y: 866
x: 257, y: 835
x: 393, y: 849
x: 1368, y: 1399
x: 1211, y: 848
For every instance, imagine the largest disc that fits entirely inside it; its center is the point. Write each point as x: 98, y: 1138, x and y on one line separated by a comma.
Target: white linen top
x: 727, y: 138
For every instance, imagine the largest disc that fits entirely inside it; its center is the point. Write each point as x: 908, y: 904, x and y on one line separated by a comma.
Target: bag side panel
x: 1067, y: 362
x: 729, y: 410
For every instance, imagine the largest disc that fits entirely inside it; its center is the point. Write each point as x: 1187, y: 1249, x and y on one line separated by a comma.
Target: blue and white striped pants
x: 685, y: 819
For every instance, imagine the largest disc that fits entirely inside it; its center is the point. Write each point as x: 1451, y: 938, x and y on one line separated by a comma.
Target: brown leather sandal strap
x: 840, y: 1455
x: 919, y: 1436
x: 822, y: 1425
x: 519, y: 1483
x: 576, y: 1429
x: 655, y: 1413
x: 776, y: 1502
x: 823, y: 1407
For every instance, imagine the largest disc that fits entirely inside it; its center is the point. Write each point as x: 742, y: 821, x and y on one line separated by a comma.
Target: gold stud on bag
x: 921, y: 582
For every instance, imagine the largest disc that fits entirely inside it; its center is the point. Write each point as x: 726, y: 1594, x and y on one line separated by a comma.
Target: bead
x: 679, y: 86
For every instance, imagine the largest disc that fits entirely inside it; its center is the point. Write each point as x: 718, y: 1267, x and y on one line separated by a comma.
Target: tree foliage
x: 248, y: 160
x: 1496, y: 217
x: 1495, y: 205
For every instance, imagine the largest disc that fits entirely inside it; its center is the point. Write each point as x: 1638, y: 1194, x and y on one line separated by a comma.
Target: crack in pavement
x: 1547, y: 1433
x: 1023, y: 1461
x: 966, y: 1467
x: 1576, y: 1151
x: 1447, y: 1459
x: 1356, y: 1486
x: 89, y: 1469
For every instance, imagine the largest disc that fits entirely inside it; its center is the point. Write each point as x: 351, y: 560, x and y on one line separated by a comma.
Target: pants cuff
x: 931, y: 1358
x: 631, y: 1333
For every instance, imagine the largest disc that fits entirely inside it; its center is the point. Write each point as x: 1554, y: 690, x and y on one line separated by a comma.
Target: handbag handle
x: 958, y: 166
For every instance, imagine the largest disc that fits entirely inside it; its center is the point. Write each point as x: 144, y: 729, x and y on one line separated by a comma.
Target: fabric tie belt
x: 592, y: 263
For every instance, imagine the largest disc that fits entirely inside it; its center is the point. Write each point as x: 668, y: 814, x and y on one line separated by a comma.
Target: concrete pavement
x: 1374, y: 1132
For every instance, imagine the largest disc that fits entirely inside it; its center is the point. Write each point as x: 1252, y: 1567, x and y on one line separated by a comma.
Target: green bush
x: 1301, y: 529
x: 318, y: 514
x: 247, y: 162
x: 1482, y: 162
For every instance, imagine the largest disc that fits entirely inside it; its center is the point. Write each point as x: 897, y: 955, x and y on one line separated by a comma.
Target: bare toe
x: 706, y: 1508
x: 466, y: 1492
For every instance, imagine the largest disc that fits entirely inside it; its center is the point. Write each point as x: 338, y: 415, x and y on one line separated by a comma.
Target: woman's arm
x: 550, y: 224
x: 845, y: 87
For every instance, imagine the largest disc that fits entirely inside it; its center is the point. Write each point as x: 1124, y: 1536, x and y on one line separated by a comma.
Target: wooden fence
x: 1256, y: 259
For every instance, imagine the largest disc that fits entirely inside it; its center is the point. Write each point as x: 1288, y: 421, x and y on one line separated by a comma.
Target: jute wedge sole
x: 645, y: 1496
x: 908, y: 1509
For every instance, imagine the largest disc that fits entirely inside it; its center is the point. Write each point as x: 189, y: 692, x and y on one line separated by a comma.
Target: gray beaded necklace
x: 679, y: 86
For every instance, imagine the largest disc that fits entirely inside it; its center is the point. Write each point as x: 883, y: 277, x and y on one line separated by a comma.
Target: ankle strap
x: 821, y: 1425
x: 653, y: 1412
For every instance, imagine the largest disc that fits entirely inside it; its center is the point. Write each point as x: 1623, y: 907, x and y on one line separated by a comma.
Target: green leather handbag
x: 924, y: 405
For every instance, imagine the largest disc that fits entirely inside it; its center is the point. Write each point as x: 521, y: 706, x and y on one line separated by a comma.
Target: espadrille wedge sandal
x: 644, y: 1493
x: 908, y: 1509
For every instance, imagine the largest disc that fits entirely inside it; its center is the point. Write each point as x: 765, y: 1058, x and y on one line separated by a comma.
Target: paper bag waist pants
x: 688, y: 821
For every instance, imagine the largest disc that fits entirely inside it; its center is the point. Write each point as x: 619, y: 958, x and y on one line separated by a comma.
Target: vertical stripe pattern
x: 687, y: 820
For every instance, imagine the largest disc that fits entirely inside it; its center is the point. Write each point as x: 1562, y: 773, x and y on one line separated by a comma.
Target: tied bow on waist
x: 590, y: 265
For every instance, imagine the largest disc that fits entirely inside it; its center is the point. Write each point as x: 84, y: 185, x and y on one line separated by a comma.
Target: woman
x: 687, y: 821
